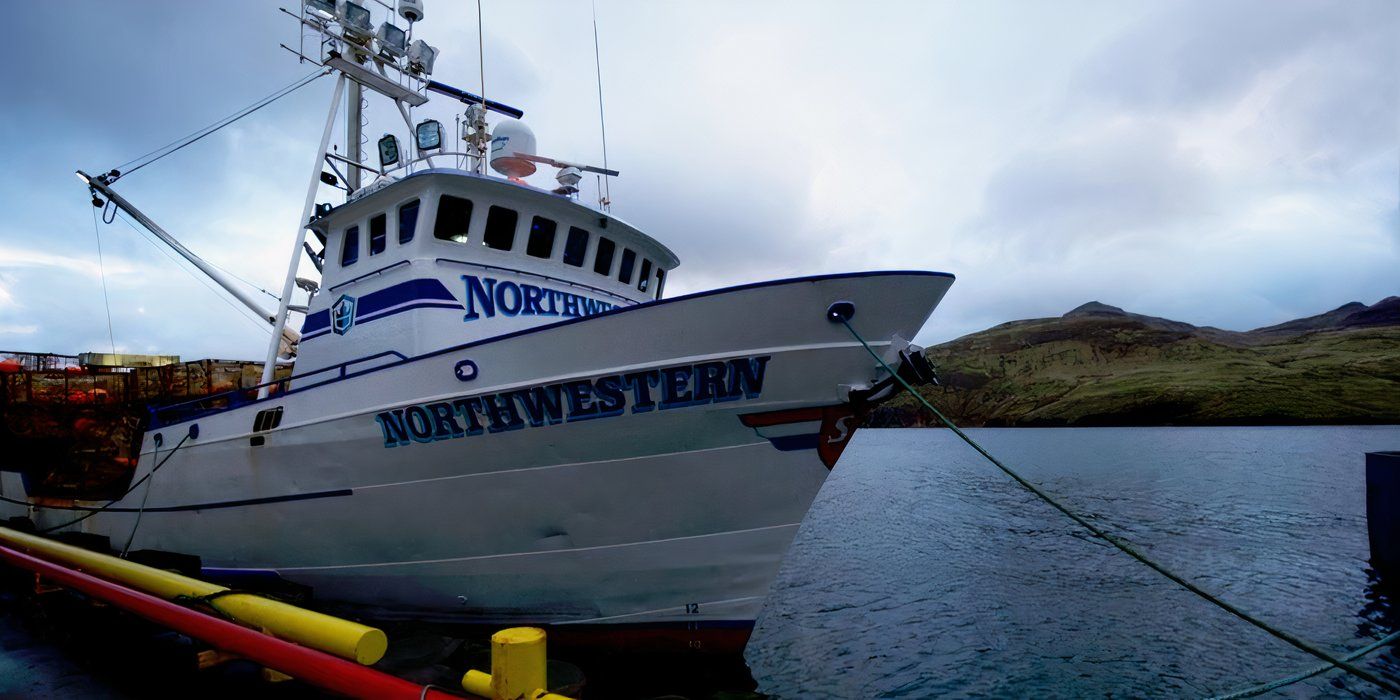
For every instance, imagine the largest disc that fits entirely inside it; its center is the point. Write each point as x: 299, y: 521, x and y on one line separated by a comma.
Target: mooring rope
x: 1290, y: 680
x: 1122, y: 545
x: 94, y: 510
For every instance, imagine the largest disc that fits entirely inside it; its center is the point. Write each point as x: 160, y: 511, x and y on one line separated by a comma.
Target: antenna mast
x: 605, y: 193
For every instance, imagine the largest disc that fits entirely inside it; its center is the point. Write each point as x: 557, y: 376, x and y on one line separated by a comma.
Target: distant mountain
x: 1101, y: 365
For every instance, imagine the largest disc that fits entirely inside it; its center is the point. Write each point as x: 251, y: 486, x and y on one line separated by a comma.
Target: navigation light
x: 323, y: 10
x: 421, y: 57
x: 354, y: 19
x: 392, y: 40
x: 429, y: 135
x: 388, y: 151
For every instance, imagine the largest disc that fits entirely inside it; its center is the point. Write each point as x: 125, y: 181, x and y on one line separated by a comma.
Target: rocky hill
x: 1101, y: 365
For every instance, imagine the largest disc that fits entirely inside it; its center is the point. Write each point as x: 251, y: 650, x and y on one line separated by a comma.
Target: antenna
x: 481, y: 64
x: 605, y: 195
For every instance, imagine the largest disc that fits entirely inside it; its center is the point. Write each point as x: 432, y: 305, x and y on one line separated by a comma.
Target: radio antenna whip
x: 481, y: 65
x: 605, y: 195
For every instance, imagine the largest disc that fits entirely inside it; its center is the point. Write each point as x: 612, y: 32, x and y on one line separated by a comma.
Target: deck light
x: 388, y: 151
x: 421, y: 57
x: 354, y: 19
x: 392, y: 40
x: 429, y: 135
x: 323, y: 10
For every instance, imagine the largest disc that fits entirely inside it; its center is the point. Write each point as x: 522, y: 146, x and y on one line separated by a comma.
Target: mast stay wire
x: 1117, y: 542
x: 102, y: 270
x: 244, y: 312
x: 169, y: 148
x: 605, y: 184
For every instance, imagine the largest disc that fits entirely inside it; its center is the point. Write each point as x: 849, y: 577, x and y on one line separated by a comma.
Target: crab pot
x: 1383, y: 512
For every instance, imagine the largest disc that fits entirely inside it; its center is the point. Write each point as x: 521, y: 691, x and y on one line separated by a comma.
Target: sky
x: 1233, y: 163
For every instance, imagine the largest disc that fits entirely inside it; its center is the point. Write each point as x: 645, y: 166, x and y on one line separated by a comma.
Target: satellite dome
x: 510, y: 137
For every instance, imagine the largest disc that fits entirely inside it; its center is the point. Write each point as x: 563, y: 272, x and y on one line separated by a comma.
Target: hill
x: 1101, y: 365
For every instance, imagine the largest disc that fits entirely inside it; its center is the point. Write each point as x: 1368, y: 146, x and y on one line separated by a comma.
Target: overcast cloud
x: 1230, y: 163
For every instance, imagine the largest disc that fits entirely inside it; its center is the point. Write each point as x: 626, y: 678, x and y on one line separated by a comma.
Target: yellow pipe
x: 517, y: 668
x: 333, y: 635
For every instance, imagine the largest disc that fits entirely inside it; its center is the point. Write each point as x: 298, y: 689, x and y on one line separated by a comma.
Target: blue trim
x: 537, y: 329
x: 793, y: 443
x: 358, y: 320
x: 239, y: 503
x: 414, y: 290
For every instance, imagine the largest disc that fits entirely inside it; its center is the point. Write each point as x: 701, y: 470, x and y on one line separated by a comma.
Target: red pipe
x: 309, y: 665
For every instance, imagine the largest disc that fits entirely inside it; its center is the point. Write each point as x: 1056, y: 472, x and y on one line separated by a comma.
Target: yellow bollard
x: 517, y: 668
x: 343, y: 638
x: 517, y: 662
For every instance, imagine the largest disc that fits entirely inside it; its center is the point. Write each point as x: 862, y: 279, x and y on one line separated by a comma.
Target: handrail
x: 386, y: 268
x: 235, y: 396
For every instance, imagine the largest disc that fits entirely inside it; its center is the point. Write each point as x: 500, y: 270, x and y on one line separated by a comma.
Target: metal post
x: 280, y: 322
x: 352, y: 135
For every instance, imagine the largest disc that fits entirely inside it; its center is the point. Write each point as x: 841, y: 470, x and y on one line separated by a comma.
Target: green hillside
x: 1099, y: 365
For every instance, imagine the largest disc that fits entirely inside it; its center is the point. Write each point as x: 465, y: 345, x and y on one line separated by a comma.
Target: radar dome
x: 510, y: 137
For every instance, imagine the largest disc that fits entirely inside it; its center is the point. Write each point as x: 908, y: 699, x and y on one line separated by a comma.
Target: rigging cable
x: 481, y: 64
x: 91, y: 511
x: 606, y: 185
x: 169, y: 148
x: 102, y: 270
x: 1120, y: 544
x: 261, y: 323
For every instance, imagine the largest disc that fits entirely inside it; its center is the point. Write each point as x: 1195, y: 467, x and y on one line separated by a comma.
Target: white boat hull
x: 677, y: 514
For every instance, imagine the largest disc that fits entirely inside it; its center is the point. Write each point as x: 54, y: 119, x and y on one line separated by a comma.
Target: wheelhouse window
x: 408, y: 221
x: 575, y: 246
x: 500, y: 228
x: 350, y: 246
x: 602, y: 261
x: 660, y: 282
x: 454, y: 218
x: 541, y: 243
x: 645, y: 278
x: 378, y: 234
x: 629, y: 262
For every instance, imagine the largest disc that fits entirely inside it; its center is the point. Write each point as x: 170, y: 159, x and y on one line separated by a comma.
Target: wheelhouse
x: 445, y: 257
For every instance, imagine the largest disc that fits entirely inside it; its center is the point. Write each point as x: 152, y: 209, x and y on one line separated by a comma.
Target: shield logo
x: 343, y: 314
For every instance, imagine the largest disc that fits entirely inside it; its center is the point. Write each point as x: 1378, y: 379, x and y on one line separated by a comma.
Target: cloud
x: 1230, y: 162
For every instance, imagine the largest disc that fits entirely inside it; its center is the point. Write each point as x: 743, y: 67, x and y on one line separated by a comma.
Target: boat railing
x: 215, y: 403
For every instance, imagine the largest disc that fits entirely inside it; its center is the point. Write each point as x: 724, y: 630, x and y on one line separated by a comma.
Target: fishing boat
x: 494, y: 414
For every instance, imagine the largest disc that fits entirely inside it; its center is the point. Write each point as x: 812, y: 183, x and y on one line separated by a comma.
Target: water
x: 923, y: 571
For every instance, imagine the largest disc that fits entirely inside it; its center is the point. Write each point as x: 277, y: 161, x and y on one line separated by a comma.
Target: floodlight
x: 429, y: 135
x: 388, y: 151
x: 323, y: 10
x: 354, y: 19
x: 421, y: 57
x: 392, y: 40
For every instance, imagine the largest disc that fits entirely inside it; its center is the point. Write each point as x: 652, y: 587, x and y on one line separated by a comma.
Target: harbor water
x: 923, y: 571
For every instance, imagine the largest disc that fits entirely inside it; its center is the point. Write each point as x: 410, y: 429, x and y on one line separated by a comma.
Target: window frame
x: 611, y: 248
x: 349, y: 235
x: 536, y: 229
x: 438, y: 219
x: 644, y: 279
x: 381, y: 222
x: 627, y: 266
x: 417, y: 206
x: 568, y: 245
x: 490, y: 237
